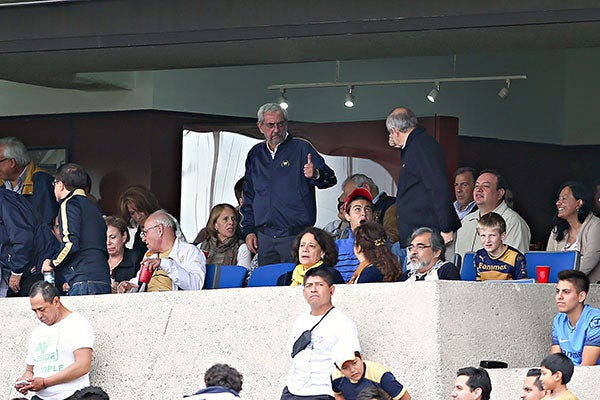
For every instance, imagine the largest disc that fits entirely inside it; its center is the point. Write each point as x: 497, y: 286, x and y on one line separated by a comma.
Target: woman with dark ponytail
x: 377, y: 263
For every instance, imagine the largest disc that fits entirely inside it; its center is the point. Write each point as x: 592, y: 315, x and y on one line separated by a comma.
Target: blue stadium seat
x: 467, y: 272
x: 267, y: 275
x: 224, y: 276
x: 556, y: 260
x: 458, y: 261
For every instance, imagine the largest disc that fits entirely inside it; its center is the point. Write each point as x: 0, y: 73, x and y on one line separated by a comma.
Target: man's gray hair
x: 436, y: 242
x: 271, y: 108
x: 14, y: 148
x: 401, y: 120
x: 168, y: 221
x: 360, y: 179
x: 164, y: 218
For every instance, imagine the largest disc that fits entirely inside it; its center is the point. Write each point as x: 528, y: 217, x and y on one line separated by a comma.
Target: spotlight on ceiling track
x: 283, y: 101
x: 504, y: 92
x: 435, y: 92
x: 349, y: 100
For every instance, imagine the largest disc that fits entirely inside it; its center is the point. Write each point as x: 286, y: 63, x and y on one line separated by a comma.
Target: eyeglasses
x: 144, y: 232
x: 271, y: 125
x: 4, y: 159
x: 419, y: 246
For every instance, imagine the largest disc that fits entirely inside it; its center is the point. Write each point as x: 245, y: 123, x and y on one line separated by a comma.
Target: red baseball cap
x: 356, y: 193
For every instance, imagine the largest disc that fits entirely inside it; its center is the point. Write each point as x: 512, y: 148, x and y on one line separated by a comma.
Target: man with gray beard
x: 427, y: 263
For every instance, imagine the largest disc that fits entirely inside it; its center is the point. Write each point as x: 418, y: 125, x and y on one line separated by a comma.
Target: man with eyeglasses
x: 21, y: 175
x: 427, y: 261
x: 174, y: 264
x: 279, y: 190
x: 82, y: 258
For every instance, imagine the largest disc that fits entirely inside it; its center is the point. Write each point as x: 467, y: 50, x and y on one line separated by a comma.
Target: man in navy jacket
x: 279, y: 189
x: 24, y: 244
x: 423, y: 197
x: 82, y: 259
x: 19, y: 174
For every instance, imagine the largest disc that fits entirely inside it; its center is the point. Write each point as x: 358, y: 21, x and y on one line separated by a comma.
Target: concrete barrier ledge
x: 158, y: 345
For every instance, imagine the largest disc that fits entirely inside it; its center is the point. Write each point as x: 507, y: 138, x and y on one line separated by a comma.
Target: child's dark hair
x: 559, y: 362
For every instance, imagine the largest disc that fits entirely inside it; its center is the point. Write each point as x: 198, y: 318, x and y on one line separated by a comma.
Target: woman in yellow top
x: 312, y: 248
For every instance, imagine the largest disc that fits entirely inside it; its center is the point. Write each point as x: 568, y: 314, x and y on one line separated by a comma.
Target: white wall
x: 22, y: 99
x: 554, y: 105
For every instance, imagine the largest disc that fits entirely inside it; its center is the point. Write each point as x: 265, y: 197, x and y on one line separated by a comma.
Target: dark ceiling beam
x: 38, y: 42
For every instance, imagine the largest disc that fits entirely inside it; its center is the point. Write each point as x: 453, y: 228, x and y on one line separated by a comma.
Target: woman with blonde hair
x: 223, y: 245
x: 136, y: 203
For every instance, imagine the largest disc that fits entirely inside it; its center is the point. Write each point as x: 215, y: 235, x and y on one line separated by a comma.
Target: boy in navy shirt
x: 496, y: 260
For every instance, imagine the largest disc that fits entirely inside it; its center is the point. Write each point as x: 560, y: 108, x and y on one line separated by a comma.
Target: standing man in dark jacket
x: 423, y: 197
x: 19, y: 174
x: 83, y: 258
x: 279, y: 190
x: 24, y: 244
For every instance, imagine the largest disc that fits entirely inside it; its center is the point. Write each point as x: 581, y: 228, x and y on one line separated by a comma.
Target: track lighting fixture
x: 435, y: 92
x: 349, y: 100
x: 504, y: 92
x: 283, y: 101
x: 432, y: 96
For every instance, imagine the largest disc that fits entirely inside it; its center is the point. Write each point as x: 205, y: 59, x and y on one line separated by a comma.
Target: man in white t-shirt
x: 60, y: 348
x: 309, y: 375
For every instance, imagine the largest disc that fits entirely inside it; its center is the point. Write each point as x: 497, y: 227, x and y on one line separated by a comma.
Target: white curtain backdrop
x: 212, y: 162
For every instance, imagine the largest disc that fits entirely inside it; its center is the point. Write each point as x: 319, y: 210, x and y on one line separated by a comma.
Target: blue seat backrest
x: 556, y: 260
x: 467, y: 272
x: 224, y: 276
x: 266, y: 275
x: 458, y: 261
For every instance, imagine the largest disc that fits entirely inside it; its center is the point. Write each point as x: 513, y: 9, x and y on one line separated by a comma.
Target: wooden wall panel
x: 144, y: 147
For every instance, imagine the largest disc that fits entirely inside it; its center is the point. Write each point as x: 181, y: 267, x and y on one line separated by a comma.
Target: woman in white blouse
x: 576, y: 228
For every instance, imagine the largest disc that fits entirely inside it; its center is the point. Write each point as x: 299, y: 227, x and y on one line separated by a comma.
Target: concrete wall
x: 158, y: 345
x: 507, y: 383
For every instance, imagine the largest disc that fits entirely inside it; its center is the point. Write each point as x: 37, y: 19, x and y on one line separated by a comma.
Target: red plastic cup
x: 145, y: 275
x: 543, y: 273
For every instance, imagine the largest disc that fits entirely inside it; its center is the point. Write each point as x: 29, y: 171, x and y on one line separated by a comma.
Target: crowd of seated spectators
x: 363, y: 252
x: 145, y: 249
x: 360, y: 248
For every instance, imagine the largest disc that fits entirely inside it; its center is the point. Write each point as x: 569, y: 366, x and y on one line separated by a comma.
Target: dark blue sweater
x: 278, y: 199
x: 83, y: 255
x: 424, y: 197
